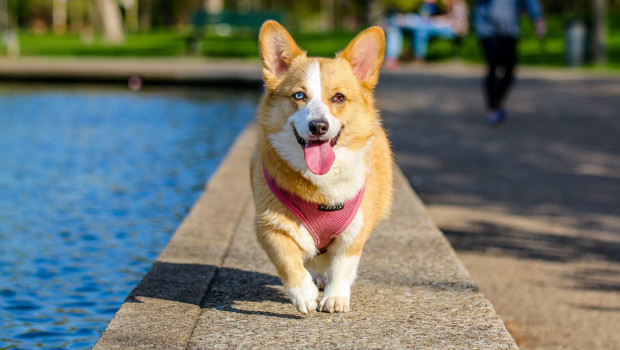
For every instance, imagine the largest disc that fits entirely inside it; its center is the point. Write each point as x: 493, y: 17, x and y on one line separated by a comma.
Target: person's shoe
x: 497, y: 117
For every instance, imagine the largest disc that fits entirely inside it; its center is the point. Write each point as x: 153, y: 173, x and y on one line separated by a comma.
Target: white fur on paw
x: 335, y: 299
x: 334, y: 304
x: 305, y: 297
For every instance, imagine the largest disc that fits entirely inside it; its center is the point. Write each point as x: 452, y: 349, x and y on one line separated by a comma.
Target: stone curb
x: 151, y: 71
x: 162, y: 310
x: 213, y: 287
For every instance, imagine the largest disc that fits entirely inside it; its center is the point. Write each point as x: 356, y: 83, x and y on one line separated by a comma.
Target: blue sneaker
x: 497, y: 117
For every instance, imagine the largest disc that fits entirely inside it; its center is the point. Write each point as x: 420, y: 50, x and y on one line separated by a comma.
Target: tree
x: 4, y: 16
x: 111, y: 22
x: 132, y: 20
x: 59, y: 16
x: 145, y: 14
x: 214, y: 6
x: 599, y: 31
x: 7, y: 36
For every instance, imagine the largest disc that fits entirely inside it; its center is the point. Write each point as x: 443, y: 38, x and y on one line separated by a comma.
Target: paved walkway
x: 532, y: 207
x: 214, y: 287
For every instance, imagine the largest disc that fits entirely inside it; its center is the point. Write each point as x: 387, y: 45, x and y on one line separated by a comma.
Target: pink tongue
x: 319, y: 157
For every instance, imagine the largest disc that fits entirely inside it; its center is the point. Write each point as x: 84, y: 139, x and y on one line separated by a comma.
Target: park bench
x: 224, y: 23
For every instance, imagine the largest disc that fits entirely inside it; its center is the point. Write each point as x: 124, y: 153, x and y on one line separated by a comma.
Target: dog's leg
x: 287, y: 256
x: 340, y: 275
x: 344, y: 254
x: 318, y: 267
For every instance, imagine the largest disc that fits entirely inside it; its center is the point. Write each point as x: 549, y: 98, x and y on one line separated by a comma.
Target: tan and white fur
x: 340, y: 91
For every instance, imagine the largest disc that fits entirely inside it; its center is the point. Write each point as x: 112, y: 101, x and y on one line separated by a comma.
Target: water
x: 93, y: 184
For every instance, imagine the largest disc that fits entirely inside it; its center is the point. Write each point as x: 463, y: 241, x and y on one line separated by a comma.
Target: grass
x: 170, y: 43
x: 159, y: 43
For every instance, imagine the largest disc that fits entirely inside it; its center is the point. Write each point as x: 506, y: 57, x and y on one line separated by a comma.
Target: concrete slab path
x: 532, y: 207
x: 214, y: 287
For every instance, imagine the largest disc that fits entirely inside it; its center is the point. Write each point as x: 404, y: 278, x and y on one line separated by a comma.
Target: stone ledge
x: 214, y: 287
x: 113, y: 70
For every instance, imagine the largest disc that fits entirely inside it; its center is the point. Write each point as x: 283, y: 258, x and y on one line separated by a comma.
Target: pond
x: 93, y: 183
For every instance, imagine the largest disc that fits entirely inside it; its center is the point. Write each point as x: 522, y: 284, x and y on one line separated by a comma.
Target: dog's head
x: 317, y: 109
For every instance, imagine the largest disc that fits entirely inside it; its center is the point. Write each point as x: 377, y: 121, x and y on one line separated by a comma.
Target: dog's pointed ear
x: 365, y: 53
x: 277, y: 50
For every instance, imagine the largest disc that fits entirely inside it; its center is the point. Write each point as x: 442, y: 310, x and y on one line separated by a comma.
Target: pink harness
x: 324, y: 222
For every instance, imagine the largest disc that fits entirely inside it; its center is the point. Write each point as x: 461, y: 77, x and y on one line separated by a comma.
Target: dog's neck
x: 341, y: 183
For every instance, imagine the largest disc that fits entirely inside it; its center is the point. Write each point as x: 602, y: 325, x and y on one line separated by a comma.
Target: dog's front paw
x: 335, y: 304
x: 335, y: 299
x: 305, y: 297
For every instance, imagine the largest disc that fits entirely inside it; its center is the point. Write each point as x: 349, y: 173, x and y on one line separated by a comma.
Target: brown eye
x: 339, y: 98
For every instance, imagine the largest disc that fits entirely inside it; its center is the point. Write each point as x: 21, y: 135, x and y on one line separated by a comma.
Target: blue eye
x: 299, y: 96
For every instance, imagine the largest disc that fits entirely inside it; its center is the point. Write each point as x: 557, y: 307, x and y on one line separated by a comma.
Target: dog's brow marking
x: 313, y: 80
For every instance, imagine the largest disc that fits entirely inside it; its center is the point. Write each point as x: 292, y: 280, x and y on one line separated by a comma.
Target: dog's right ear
x: 277, y: 50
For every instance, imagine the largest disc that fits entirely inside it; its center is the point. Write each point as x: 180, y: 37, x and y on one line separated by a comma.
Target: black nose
x: 318, y: 127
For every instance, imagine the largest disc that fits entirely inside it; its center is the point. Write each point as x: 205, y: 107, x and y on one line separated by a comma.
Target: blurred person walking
x: 496, y: 23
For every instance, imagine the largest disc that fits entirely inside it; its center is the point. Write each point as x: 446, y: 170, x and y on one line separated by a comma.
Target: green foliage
x: 169, y: 13
x: 298, y: 15
x: 246, y: 46
x: 572, y: 7
x: 162, y: 43
x: 27, y: 10
x: 402, y: 5
x: 169, y: 43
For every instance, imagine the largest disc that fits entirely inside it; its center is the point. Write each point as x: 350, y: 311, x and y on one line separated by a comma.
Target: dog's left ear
x: 365, y: 53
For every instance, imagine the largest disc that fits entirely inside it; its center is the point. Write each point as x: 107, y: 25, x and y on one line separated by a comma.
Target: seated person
x: 424, y: 24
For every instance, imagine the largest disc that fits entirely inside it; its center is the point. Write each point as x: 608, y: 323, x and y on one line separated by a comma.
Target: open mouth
x: 333, y: 142
x: 318, y: 154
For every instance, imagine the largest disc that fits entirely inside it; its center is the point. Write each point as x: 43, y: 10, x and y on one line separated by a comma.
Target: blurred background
x: 228, y: 28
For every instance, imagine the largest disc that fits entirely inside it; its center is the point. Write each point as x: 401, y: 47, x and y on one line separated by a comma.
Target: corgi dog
x: 321, y: 172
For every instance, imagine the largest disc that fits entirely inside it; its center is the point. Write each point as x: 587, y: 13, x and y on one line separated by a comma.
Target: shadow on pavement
x: 597, y: 279
x: 231, y: 286
x: 542, y: 246
x: 189, y: 283
x: 556, y: 158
